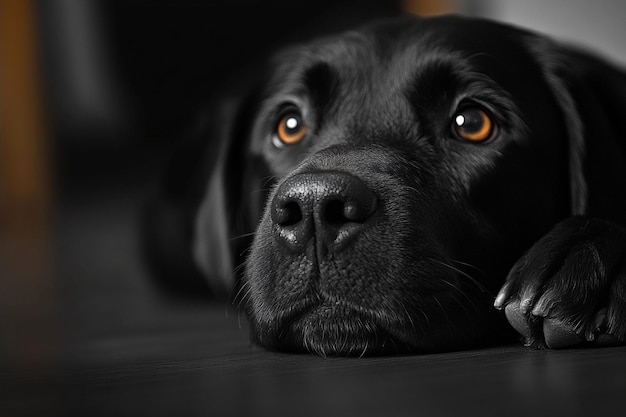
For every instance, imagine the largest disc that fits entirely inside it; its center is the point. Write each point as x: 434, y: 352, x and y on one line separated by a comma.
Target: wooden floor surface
x: 124, y: 349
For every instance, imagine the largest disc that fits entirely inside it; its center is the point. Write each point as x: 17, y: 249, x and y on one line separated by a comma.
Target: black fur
x: 385, y: 232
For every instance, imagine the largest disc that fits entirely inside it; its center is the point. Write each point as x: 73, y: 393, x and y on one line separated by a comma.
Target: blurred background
x: 95, y: 95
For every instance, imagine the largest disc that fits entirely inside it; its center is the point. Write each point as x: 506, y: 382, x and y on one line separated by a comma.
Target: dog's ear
x: 591, y: 93
x: 233, y: 198
x: 211, y: 248
x: 198, y: 221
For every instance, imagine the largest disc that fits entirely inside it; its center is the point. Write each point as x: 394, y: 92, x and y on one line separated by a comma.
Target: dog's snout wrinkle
x: 327, y: 209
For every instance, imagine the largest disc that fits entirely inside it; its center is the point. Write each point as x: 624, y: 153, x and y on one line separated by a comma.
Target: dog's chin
x: 333, y: 330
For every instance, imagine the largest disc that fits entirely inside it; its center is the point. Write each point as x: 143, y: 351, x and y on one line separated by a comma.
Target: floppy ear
x: 591, y: 93
x: 168, y: 216
x: 211, y: 226
x: 200, y: 221
x: 233, y: 198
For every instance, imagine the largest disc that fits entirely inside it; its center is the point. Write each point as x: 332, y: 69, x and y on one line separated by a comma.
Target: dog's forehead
x: 397, y: 50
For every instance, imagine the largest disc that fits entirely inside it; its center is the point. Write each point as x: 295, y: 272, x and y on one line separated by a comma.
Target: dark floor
x: 123, y: 349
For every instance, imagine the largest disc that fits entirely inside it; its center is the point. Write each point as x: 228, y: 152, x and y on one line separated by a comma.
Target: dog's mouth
x: 336, y: 328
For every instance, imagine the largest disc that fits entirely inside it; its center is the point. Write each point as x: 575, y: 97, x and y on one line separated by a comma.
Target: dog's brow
x: 319, y: 82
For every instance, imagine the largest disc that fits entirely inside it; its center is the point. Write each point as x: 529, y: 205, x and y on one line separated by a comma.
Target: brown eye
x: 291, y: 129
x: 473, y: 125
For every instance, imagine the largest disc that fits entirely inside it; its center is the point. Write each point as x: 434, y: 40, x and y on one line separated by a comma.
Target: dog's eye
x: 291, y: 129
x: 473, y: 124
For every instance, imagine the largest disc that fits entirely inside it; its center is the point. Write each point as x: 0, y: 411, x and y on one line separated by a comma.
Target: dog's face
x: 410, y: 163
x: 405, y: 155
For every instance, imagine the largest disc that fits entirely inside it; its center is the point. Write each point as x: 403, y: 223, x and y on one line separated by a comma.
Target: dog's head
x: 403, y: 168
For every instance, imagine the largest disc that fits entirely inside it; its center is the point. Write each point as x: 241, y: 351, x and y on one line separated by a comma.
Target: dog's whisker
x: 411, y: 321
x: 244, y: 235
x: 423, y: 313
x: 475, y: 268
x: 235, y: 273
x: 262, y: 190
x: 443, y: 310
x: 233, y: 278
x: 237, y: 270
x: 460, y: 291
x: 409, y: 317
x: 464, y: 274
x: 268, y: 180
x: 459, y: 302
x: 241, y: 297
x: 244, y: 253
x: 413, y: 189
x: 240, y: 300
x: 244, y: 298
x: 239, y: 291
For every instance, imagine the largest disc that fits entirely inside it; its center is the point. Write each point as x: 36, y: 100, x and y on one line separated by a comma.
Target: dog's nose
x: 331, y: 207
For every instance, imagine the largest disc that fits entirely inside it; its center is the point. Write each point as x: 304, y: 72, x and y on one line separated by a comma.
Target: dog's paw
x: 570, y: 287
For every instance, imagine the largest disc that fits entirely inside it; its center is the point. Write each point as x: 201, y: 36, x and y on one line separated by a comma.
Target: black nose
x: 330, y: 207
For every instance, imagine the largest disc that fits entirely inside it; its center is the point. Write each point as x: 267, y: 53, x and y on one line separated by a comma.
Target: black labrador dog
x: 383, y: 189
